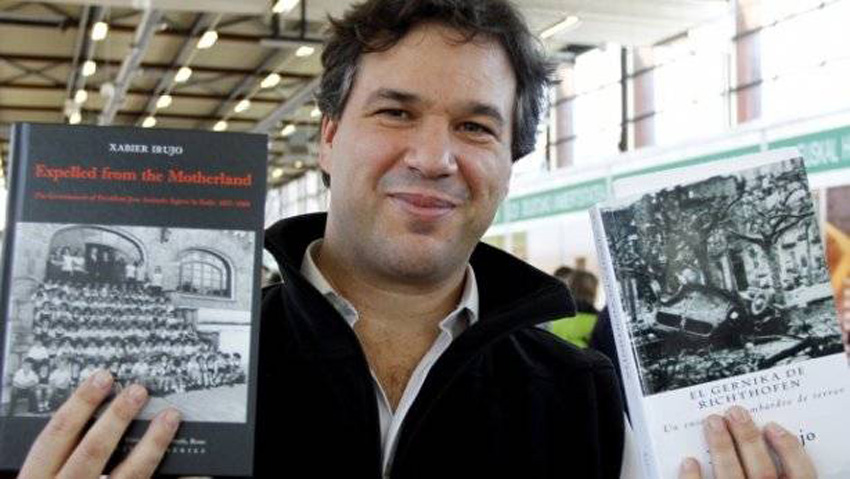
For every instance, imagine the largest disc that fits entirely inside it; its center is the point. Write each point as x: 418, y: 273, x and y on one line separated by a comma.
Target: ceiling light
x: 81, y: 96
x: 183, y: 74
x: 566, y: 24
x: 277, y: 173
x: 207, y: 40
x: 89, y: 67
x: 316, y: 112
x: 243, y: 105
x: 270, y: 80
x: 149, y: 122
x: 220, y: 125
x: 299, y: 164
x: 288, y: 130
x: 164, y: 101
x: 75, y: 118
x: 304, y: 51
x: 284, y: 6
x: 99, y: 31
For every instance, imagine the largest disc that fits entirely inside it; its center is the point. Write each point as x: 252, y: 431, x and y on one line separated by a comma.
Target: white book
x: 719, y: 295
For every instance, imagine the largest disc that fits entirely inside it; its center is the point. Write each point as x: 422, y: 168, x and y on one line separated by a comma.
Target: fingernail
x: 739, y: 415
x: 102, y: 379
x: 138, y: 393
x: 715, y: 423
x: 171, y: 418
x: 689, y: 465
x: 775, y: 431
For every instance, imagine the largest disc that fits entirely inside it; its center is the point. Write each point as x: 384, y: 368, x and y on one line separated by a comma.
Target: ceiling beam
x: 248, y: 85
x: 64, y: 24
x: 166, y: 82
x: 154, y: 65
x: 140, y: 92
x: 177, y: 116
x: 144, y: 33
x: 296, y: 101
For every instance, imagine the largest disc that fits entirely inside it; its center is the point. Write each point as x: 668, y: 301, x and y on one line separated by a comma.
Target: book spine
x: 14, y: 206
x: 622, y: 338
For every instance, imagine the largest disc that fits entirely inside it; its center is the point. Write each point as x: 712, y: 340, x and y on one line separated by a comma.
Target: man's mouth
x: 424, y: 205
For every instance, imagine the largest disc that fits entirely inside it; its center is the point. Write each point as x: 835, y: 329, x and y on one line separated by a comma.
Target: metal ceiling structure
x: 257, y: 72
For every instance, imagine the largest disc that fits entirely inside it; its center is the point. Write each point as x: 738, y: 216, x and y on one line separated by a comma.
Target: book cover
x: 719, y: 295
x: 136, y: 250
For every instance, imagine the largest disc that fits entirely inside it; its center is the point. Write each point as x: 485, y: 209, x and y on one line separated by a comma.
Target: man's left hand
x: 739, y: 450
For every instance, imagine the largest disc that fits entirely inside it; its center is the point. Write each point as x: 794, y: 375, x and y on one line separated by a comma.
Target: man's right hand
x: 61, y: 452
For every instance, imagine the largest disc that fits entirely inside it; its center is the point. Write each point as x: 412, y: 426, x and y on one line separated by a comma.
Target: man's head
x: 583, y: 285
x: 379, y: 25
x: 426, y: 104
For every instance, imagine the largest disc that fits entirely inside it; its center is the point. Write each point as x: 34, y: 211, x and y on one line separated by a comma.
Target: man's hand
x: 739, y: 450
x: 60, y: 452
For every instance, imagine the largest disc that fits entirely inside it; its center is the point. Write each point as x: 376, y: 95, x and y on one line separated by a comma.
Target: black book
x: 139, y: 251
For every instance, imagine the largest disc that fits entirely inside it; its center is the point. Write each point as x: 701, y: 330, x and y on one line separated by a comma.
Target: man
x: 24, y: 386
x: 397, y: 345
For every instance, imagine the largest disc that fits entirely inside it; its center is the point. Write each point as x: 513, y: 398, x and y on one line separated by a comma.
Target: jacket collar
x: 512, y: 293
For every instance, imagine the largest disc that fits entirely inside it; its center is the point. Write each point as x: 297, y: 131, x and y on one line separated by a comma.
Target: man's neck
x: 401, y: 306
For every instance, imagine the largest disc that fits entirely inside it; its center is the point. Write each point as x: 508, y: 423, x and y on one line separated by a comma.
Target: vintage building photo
x: 165, y: 307
x: 723, y: 277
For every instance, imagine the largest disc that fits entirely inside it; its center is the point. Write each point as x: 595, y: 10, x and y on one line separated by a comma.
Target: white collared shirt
x: 463, y: 316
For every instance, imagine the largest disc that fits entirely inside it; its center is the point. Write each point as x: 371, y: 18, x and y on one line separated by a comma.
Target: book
x: 719, y: 295
x: 136, y: 250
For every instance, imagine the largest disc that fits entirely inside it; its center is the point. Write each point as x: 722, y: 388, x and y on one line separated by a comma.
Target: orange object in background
x: 837, y: 228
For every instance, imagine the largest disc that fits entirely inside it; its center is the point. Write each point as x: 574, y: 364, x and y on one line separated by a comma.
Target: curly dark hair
x: 378, y: 25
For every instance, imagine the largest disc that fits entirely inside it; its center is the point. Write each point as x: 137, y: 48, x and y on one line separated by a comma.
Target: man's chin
x: 421, y: 261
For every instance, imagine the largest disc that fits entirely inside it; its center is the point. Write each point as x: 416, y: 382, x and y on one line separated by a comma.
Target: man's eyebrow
x: 400, y: 96
x: 485, y: 109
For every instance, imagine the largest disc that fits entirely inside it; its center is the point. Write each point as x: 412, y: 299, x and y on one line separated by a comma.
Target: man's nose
x: 431, y: 152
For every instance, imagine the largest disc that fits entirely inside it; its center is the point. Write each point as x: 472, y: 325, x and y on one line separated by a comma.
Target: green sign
x: 822, y: 151
x: 552, y: 202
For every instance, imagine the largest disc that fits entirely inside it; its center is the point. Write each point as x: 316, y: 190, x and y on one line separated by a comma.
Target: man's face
x: 421, y: 157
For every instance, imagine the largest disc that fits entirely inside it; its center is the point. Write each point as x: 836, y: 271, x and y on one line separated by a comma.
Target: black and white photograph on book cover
x: 723, y: 277
x: 169, y: 308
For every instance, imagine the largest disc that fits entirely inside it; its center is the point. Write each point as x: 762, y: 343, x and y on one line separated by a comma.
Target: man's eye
x: 477, y: 128
x: 394, y: 113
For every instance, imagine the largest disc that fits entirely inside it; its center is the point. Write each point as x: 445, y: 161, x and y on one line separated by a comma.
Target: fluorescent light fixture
x: 75, y: 118
x: 164, y: 101
x: 183, y: 74
x: 288, y: 130
x: 284, y: 6
x: 304, y: 51
x: 272, y: 79
x: 220, y: 125
x: 149, y: 122
x: 207, y: 40
x: 564, y: 25
x: 99, y: 31
x: 315, y: 113
x: 277, y: 173
x: 89, y: 67
x: 81, y: 96
x: 243, y: 105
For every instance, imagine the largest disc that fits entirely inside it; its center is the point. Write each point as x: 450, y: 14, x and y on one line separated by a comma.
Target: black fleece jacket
x: 506, y: 399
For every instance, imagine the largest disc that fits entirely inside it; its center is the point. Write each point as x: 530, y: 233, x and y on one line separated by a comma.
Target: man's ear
x: 326, y: 140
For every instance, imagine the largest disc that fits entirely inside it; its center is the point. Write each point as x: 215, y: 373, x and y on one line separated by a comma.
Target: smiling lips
x: 424, y: 206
